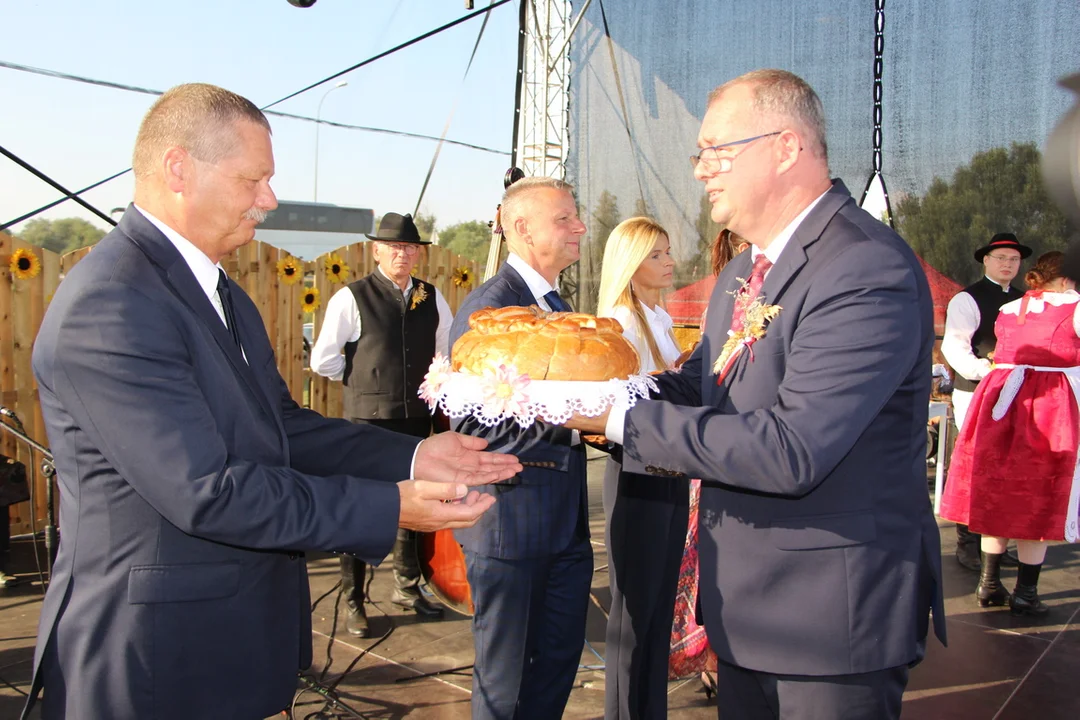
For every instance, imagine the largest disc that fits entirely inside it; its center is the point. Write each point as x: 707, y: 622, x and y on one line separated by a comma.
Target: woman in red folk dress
x: 1014, y: 470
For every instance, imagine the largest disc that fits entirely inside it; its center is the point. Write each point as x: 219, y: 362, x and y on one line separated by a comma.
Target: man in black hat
x: 969, y: 342
x: 378, y: 337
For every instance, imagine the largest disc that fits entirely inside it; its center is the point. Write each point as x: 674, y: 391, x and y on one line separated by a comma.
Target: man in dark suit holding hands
x: 529, y: 561
x: 190, y: 482
x: 820, y: 557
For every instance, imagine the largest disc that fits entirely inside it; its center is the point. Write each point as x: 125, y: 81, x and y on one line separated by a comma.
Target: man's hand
x: 589, y: 425
x: 455, y: 458
x: 424, y: 506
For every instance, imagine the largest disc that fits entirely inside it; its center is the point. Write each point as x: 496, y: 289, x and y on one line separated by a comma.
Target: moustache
x: 256, y: 214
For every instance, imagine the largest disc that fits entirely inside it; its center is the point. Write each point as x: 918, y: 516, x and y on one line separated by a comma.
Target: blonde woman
x: 646, y: 516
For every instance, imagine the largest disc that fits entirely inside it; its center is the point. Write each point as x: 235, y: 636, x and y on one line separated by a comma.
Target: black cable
x: 453, y: 109
x: 402, y: 46
x: 622, y: 99
x: 391, y: 51
x: 290, y: 116
x: 46, y: 179
x: 54, y: 203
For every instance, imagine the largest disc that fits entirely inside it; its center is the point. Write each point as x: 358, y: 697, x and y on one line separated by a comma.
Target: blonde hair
x: 628, y: 245
x: 784, y: 95
x: 198, y: 117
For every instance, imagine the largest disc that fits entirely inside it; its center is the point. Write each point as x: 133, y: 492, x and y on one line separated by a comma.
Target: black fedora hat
x: 399, y: 229
x: 1003, y: 240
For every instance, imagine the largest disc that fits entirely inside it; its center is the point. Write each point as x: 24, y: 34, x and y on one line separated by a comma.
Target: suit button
x: 293, y: 555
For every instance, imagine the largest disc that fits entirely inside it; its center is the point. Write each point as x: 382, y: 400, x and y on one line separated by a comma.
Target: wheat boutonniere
x: 756, y: 316
x: 419, y: 295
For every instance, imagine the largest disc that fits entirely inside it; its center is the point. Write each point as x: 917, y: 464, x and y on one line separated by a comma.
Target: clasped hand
x: 445, y: 466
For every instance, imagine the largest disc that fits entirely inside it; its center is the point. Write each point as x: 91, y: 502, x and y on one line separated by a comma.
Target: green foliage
x: 1000, y: 190
x: 699, y: 264
x: 425, y: 225
x: 62, y: 235
x: 469, y: 239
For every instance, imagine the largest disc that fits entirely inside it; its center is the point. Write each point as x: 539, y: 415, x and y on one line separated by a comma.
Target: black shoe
x: 1009, y: 559
x: 1025, y: 599
x: 356, y: 623
x: 968, y: 557
x: 990, y: 591
x: 417, y: 603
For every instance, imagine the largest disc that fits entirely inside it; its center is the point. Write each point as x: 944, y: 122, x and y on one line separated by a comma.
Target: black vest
x: 989, y: 297
x: 384, y: 368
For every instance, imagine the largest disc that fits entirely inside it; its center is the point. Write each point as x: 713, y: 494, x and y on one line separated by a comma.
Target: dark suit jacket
x: 537, y: 512
x: 190, y: 485
x: 819, y: 550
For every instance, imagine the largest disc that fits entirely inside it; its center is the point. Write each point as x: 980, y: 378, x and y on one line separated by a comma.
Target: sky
x: 264, y: 50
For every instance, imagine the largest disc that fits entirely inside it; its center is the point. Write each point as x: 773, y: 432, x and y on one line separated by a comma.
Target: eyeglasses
x: 402, y: 248
x: 1005, y: 260
x: 717, y: 163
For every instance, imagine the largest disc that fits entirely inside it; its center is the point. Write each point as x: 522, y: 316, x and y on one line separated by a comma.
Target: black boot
x: 407, y: 577
x: 990, y: 590
x: 967, y: 547
x: 1025, y: 599
x: 353, y: 575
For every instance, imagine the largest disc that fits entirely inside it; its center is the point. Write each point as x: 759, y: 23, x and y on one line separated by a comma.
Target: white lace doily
x: 504, y: 394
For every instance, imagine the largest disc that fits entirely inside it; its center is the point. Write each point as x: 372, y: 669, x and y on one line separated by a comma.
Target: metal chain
x: 879, y: 63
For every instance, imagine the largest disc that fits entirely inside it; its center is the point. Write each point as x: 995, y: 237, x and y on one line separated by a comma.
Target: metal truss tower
x: 541, y: 133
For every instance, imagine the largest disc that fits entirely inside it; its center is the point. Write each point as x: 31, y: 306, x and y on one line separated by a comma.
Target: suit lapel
x: 787, y: 266
x: 164, y: 254
x: 517, y: 283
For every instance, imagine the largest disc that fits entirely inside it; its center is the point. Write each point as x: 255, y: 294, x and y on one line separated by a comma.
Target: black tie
x: 555, y: 302
x: 226, y: 304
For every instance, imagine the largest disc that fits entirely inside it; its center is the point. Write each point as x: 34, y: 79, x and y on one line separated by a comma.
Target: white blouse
x: 660, y: 323
x: 1038, y: 304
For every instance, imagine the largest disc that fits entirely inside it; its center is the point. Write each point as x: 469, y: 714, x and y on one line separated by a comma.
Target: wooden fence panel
x: 254, y: 267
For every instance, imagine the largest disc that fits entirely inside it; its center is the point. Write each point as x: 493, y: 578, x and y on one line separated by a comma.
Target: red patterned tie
x: 749, y: 293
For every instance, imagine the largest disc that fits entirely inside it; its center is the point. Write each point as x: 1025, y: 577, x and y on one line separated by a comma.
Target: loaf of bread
x: 545, y: 346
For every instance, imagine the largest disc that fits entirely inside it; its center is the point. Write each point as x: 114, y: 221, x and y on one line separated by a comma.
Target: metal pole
x: 318, y: 115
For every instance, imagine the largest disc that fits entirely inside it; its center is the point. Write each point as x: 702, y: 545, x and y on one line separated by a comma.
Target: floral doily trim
x: 503, y: 394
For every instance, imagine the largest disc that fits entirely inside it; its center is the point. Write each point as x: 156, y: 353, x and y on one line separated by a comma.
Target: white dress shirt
x: 660, y: 324
x: 537, y: 284
x: 962, y: 319
x: 616, y: 421
x: 342, y: 324
x: 204, y: 269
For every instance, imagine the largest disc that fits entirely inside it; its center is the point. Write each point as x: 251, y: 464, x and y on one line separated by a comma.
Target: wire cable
x: 379, y: 56
x: 453, y: 109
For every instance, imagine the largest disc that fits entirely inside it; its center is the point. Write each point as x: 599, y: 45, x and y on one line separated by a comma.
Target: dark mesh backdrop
x: 960, y: 79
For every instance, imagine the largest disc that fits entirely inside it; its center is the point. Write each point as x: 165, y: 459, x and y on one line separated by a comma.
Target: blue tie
x: 556, y: 303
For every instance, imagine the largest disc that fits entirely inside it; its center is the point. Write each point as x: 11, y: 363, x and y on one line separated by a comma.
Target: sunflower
x: 336, y: 269
x: 309, y: 300
x: 24, y: 264
x: 288, y: 269
x: 462, y: 277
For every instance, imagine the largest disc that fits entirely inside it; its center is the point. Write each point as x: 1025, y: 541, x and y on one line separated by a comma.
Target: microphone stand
x: 48, y: 470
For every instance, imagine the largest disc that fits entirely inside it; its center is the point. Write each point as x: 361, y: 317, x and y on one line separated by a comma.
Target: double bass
x: 442, y: 562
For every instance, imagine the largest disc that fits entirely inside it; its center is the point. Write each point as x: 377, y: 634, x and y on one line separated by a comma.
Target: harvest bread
x: 545, y: 346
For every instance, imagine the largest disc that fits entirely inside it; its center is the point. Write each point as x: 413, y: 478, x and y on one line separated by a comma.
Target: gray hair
x: 782, y: 94
x: 513, y: 200
x: 198, y: 117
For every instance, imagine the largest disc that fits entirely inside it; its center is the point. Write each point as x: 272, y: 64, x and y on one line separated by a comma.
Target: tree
x: 641, y: 208
x: 425, y: 225
x: 469, y: 239
x: 999, y: 190
x: 601, y: 222
x: 699, y: 264
x: 62, y: 235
